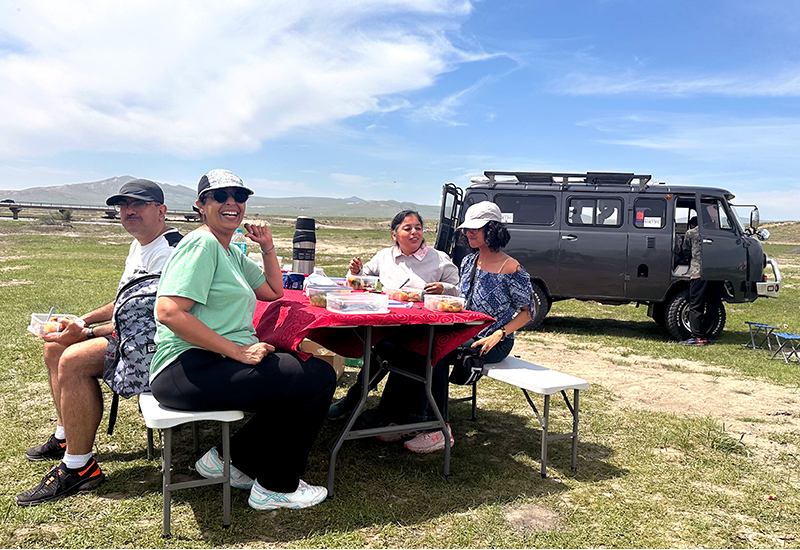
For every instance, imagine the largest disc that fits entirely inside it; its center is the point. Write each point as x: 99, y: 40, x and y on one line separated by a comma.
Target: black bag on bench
x: 468, y: 366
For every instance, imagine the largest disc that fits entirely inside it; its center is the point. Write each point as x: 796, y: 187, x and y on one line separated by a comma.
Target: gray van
x: 615, y: 238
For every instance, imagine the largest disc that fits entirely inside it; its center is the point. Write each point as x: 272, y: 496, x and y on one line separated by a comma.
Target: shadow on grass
x: 648, y: 330
x: 495, y: 460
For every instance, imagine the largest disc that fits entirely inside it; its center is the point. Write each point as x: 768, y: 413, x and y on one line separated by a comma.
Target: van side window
x: 595, y: 212
x: 527, y: 209
x: 649, y: 213
x: 713, y: 214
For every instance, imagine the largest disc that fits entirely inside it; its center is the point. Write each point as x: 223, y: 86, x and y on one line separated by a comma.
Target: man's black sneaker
x: 61, y: 482
x: 53, y: 449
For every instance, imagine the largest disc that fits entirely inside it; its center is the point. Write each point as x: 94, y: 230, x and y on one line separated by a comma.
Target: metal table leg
x: 356, y: 412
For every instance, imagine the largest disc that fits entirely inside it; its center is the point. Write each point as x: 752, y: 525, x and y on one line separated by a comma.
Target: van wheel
x: 676, y: 317
x: 542, y: 307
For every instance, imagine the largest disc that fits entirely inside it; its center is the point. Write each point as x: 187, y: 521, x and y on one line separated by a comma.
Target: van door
x: 724, y: 254
x: 532, y: 221
x: 592, y: 247
x: 449, y: 213
x: 650, y: 248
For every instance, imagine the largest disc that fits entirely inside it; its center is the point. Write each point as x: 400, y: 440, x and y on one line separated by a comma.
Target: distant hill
x: 179, y: 197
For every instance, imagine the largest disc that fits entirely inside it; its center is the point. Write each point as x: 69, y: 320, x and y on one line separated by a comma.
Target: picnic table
x: 286, y: 322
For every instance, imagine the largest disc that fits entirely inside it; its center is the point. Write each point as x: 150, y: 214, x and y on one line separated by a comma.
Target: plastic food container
x: 358, y: 303
x: 362, y: 282
x: 445, y: 304
x: 318, y: 296
x: 40, y: 325
x: 405, y: 294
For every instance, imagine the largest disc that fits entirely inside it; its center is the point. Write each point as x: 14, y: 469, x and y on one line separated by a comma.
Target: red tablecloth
x: 286, y: 322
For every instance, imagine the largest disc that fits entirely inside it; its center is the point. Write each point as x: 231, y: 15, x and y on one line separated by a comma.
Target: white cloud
x: 193, y: 78
x: 782, y: 84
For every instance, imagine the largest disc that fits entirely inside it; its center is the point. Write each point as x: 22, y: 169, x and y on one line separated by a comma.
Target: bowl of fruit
x: 444, y: 304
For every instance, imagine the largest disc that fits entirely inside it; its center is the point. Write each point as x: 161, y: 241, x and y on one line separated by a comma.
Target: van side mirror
x: 755, y: 219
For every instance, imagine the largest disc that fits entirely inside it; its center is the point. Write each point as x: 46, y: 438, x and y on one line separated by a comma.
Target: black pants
x: 404, y: 400
x: 704, y: 299
x: 289, y: 397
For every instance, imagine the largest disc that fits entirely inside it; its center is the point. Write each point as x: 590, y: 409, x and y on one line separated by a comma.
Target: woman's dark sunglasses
x: 239, y: 195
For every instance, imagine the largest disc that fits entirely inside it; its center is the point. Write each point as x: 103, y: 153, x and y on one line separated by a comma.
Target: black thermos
x: 304, y: 244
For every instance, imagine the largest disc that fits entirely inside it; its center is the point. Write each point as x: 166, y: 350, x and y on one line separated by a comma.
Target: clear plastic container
x: 362, y: 282
x: 318, y: 295
x: 40, y: 325
x: 358, y: 303
x: 405, y: 294
x: 445, y: 304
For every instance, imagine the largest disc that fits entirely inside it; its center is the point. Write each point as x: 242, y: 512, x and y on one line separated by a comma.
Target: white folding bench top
x: 532, y: 377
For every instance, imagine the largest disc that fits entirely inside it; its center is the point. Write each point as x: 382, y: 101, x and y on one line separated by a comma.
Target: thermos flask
x: 304, y: 245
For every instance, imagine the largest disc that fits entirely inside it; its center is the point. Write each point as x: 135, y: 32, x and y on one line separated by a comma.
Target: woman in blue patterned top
x: 494, y: 283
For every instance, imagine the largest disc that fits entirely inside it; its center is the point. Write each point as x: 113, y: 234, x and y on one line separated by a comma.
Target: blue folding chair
x: 788, y: 348
x: 761, y: 333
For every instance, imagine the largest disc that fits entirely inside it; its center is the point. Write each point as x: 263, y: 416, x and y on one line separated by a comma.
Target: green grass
x: 644, y: 479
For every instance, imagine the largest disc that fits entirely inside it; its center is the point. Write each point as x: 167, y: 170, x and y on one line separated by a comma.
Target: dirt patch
x: 530, y: 517
x: 15, y: 282
x: 754, y: 408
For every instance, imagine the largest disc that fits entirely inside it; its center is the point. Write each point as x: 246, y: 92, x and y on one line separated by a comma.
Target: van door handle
x: 569, y: 238
x: 708, y: 241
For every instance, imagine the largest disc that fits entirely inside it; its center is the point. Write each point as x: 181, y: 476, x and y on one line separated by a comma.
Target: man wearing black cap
x: 76, y: 356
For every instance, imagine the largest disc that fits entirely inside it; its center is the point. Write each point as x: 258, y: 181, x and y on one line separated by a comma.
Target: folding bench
x: 788, y: 346
x: 157, y: 416
x: 761, y: 333
x: 541, y: 380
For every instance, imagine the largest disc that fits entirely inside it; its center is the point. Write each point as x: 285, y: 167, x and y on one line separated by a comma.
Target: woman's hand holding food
x: 254, y: 353
x: 260, y: 233
x: 434, y: 288
x: 355, y: 266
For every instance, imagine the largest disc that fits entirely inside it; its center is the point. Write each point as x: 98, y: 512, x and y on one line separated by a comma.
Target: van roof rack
x: 566, y: 178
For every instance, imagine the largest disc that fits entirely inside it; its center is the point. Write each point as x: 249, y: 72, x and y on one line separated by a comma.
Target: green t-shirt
x: 220, y: 282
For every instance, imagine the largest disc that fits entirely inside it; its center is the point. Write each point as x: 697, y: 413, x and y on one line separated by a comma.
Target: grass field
x: 645, y: 478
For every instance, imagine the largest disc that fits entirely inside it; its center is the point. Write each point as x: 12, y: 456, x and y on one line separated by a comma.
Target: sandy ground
x: 752, y: 407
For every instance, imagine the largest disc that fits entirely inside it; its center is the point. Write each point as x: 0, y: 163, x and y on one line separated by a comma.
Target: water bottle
x: 304, y: 245
x: 240, y: 241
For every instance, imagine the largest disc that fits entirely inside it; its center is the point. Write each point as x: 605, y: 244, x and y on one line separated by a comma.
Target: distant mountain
x: 179, y: 197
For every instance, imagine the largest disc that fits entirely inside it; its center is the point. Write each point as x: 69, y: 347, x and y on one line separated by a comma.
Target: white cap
x: 481, y: 213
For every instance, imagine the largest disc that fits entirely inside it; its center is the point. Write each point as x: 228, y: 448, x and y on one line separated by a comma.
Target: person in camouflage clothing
x: 704, y: 296
x: 77, y: 355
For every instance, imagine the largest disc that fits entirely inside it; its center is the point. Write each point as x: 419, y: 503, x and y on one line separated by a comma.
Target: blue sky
x: 389, y: 99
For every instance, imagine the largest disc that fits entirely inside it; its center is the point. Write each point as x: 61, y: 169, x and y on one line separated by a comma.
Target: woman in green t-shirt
x: 209, y: 358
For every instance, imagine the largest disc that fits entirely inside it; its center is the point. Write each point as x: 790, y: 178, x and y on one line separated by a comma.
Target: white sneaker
x: 306, y: 495
x: 210, y: 467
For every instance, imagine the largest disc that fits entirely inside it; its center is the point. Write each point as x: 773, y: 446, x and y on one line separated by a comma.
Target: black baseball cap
x: 142, y: 190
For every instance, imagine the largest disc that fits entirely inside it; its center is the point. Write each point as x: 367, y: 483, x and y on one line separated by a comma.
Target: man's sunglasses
x: 239, y: 195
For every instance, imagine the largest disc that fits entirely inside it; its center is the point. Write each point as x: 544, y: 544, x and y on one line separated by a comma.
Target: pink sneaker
x: 428, y: 442
x: 392, y: 438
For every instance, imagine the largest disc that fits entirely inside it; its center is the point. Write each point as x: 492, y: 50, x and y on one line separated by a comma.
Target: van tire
x: 542, y: 304
x: 676, y: 317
